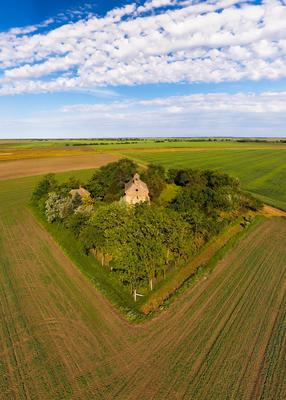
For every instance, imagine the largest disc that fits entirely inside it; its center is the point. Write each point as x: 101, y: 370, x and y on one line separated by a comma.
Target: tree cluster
x: 107, y: 183
x: 141, y: 244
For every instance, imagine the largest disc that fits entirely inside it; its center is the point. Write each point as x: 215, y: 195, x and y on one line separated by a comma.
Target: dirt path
x: 60, y: 338
x: 269, y: 211
x: 30, y: 167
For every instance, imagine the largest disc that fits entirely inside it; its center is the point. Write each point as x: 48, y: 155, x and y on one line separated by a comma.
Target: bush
x: 249, y: 201
x: 57, y: 207
x: 46, y: 185
x: 76, y: 222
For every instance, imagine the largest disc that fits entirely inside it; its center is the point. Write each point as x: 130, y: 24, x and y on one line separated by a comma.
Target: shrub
x: 57, y: 207
x: 46, y: 185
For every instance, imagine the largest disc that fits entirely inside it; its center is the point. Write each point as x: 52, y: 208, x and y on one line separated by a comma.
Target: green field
x: 137, y: 144
x: 223, y: 338
x: 261, y: 171
x: 260, y: 166
x: 60, y: 338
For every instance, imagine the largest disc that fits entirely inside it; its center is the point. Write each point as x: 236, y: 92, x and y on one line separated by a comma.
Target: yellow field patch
x: 19, y: 154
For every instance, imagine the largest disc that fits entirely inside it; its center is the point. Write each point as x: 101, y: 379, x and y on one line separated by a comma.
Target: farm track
x: 225, y: 338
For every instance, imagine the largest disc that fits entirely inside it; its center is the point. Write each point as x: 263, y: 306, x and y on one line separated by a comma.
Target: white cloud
x: 221, y: 114
x: 152, y: 4
x: 186, y: 41
x: 256, y: 103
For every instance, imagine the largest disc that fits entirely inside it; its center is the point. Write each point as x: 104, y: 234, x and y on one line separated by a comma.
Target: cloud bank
x: 266, y: 102
x: 160, y: 41
x: 217, y: 114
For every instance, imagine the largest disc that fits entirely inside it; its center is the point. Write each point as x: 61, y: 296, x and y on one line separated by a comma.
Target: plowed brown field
x: 60, y: 339
x: 31, y: 167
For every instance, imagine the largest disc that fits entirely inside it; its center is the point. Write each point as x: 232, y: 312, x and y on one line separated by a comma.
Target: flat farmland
x: 225, y: 338
x: 52, y: 163
x: 261, y: 169
x: 260, y: 166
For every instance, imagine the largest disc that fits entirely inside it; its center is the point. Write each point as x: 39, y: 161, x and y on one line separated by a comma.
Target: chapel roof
x: 81, y: 191
x: 136, y: 181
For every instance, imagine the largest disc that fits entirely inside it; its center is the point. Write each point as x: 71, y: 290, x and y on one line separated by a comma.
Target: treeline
x: 187, y: 139
x: 141, y: 244
x: 101, y: 143
x: 269, y: 141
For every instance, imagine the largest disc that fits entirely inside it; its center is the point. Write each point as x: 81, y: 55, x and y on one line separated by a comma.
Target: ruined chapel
x: 136, y: 191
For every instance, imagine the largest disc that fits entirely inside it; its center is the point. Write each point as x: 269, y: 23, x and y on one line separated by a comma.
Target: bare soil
x: 30, y: 167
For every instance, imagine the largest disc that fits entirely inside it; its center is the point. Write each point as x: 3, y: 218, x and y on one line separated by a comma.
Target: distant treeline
x: 172, y: 140
x: 100, y: 144
x: 246, y: 140
x: 102, y: 141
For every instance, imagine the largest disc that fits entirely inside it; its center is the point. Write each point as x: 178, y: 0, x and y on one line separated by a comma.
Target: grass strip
x: 201, y: 266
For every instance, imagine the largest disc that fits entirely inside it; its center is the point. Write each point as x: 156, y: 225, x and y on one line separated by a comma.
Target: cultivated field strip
x: 261, y: 171
x: 57, y: 337
x: 49, y: 163
x: 60, y: 339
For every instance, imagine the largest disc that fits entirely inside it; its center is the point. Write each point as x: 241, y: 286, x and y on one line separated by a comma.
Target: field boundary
x: 204, y: 270
x: 90, y: 268
x: 280, y: 205
x: 198, y: 267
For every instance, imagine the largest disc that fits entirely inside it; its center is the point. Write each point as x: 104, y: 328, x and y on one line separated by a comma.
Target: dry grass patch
x: 269, y: 211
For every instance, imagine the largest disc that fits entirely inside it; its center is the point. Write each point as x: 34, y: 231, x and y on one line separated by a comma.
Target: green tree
x: 47, y: 184
x: 177, y: 237
x: 72, y: 183
x: 76, y: 222
x: 104, y: 229
x: 184, y: 177
x: 154, y: 177
x: 107, y: 183
x: 129, y: 267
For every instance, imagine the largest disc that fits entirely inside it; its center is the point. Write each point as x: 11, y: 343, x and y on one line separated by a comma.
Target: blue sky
x: 72, y: 68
